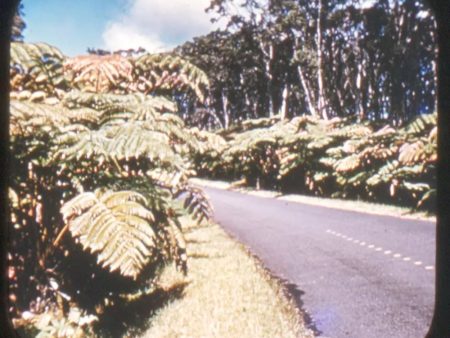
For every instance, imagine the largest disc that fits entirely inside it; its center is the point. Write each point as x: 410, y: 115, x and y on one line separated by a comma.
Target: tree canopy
x: 322, y: 58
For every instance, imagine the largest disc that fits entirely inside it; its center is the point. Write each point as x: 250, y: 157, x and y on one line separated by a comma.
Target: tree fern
x: 122, y: 142
x: 37, y: 67
x: 358, y: 160
x: 421, y: 124
x: 99, y: 73
x: 196, y: 203
x: 168, y: 72
x: 28, y: 118
x: 101, y: 101
x: 116, y: 226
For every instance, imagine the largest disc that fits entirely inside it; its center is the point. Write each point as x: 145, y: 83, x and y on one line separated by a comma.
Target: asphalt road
x: 357, y: 275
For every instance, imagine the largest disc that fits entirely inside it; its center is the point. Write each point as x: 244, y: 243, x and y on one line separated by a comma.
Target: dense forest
x: 373, y: 60
x: 330, y: 98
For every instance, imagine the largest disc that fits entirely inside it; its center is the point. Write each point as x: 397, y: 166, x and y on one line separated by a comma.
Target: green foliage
x: 104, y: 101
x: 36, y: 70
x: 99, y: 185
x: 99, y: 73
x: 338, y: 158
x: 40, y: 72
x: 116, y: 225
x: 167, y: 72
x: 367, y: 62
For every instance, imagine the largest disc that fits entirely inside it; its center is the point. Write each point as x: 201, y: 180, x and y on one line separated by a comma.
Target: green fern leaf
x: 116, y: 225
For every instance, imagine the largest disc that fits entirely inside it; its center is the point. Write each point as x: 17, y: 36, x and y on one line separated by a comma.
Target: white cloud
x: 157, y: 24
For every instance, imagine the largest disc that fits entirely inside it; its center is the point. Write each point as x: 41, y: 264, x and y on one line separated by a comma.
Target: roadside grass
x: 351, y: 205
x: 227, y: 294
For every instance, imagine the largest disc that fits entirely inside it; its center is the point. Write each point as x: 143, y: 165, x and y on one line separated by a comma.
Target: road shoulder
x: 357, y: 206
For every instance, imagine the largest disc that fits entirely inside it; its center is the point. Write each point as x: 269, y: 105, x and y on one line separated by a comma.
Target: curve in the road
x: 362, y: 275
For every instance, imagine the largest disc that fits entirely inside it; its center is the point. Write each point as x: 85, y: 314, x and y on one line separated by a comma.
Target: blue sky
x: 75, y: 25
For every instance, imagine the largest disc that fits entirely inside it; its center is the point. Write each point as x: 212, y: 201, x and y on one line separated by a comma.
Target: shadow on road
x: 296, y: 295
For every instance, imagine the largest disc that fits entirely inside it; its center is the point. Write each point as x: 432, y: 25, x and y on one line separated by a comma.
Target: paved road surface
x: 359, y: 275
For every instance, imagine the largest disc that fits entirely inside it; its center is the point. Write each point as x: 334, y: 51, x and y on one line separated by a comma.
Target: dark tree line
x: 18, y: 24
x: 324, y: 57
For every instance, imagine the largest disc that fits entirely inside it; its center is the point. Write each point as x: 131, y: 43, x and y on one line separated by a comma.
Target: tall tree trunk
x: 435, y: 79
x: 248, y: 106
x: 226, y: 115
x: 269, y: 56
x: 308, y: 93
x: 321, y: 102
x: 284, y: 105
x: 360, y: 104
x: 216, y: 118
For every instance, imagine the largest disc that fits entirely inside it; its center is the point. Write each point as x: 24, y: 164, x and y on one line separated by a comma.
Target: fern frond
x: 196, y: 203
x: 177, y: 244
x: 123, y: 142
x: 415, y: 187
x: 28, y: 118
x: 116, y: 225
x: 427, y: 196
x: 99, y: 73
x: 36, y: 67
x: 349, y: 163
x: 350, y: 131
x: 113, y: 106
x: 168, y: 72
x: 412, y: 153
x: 421, y: 124
x: 378, y: 152
x: 320, y: 142
x: 208, y: 142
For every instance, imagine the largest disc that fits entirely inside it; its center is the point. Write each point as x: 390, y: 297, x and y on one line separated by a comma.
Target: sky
x: 75, y: 25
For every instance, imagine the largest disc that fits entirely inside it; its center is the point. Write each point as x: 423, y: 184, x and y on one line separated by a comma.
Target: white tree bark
x: 226, y: 116
x: 321, y: 102
x: 309, y: 95
x: 284, y: 104
x: 269, y: 56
